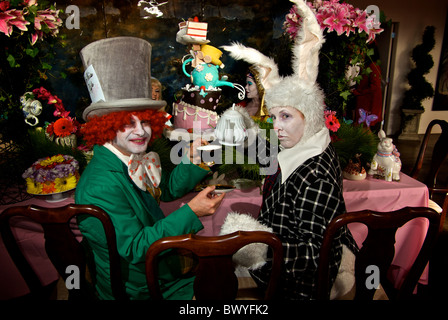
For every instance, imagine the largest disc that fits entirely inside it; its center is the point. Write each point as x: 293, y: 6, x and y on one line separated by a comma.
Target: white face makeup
x: 134, y: 138
x: 289, y: 124
x: 251, y: 88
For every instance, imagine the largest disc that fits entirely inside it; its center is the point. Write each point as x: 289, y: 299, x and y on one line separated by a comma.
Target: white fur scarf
x: 254, y: 255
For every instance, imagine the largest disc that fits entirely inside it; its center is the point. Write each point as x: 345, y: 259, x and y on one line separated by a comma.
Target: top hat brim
x: 136, y: 104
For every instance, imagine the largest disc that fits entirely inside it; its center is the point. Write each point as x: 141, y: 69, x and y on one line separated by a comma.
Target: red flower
x: 48, y: 187
x: 50, y: 129
x: 42, y: 93
x: 63, y: 127
x: 4, y: 5
x: 331, y: 121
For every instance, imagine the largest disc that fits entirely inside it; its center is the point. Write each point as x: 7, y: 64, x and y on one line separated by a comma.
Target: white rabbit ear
x: 307, y: 44
x: 265, y: 66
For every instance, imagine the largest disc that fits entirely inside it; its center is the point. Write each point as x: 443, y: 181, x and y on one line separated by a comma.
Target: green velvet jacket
x: 138, y: 221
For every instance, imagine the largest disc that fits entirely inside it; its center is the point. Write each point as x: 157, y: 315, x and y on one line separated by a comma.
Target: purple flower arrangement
x: 54, y: 174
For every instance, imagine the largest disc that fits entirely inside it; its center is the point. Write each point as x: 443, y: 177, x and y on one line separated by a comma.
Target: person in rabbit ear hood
x: 305, y: 194
x: 127, y: 182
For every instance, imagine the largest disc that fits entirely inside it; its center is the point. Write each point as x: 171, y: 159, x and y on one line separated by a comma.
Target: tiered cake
x: 195, y: 107
x: 196, y: 110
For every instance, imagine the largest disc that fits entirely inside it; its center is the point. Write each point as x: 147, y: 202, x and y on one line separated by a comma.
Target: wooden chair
x: 62, y: 246
x: 438, y: 158
x: 215, y: 275
x: 378, y: 249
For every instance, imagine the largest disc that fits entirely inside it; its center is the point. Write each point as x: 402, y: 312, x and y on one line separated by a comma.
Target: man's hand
x: 206, y: 202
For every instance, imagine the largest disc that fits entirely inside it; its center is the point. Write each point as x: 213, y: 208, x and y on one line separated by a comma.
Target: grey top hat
x: 118, y: 76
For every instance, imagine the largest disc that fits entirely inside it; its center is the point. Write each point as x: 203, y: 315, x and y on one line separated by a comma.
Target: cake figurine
x: 196, y: 110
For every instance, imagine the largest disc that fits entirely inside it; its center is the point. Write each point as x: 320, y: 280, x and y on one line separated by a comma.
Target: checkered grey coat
x: 299, y: 211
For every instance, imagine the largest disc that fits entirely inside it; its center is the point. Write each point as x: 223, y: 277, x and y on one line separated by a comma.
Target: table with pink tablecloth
x: 359, y: 195
x: 371, y: 193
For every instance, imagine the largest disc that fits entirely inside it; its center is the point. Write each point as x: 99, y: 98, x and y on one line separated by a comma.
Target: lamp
x: 230, y: 129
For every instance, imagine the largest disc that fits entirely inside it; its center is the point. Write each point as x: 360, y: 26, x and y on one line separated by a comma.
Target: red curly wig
x: 101, y: 129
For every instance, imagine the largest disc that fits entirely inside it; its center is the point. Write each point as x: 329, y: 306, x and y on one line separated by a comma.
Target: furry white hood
x: 297, y: 93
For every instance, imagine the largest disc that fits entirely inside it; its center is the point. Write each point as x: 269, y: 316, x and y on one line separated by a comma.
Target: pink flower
x: 35, y: 36
x: 49, y: 18
x: 334, y: 16
x: 5, y: 27
x: 29, y: 3
x: 19, y: 21
x: 46, y: 20
x: 374, y: 27
x: 360, y: 21
x: 12, y: 18
x: 337, y: 21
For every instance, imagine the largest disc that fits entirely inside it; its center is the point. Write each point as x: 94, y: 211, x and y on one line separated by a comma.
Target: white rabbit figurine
x: 386, y: 162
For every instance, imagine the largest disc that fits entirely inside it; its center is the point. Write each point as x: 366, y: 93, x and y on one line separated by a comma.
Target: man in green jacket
x: 126, y: 181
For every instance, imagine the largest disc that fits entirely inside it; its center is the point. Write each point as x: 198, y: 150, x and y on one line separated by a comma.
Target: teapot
x: 31, y: 109
x: 205, y: 75
x: 231, y: 129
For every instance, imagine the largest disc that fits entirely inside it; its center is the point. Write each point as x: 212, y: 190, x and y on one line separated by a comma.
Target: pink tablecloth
x: 243, y: 201
x: 359, y: 195
x: 379, y: 195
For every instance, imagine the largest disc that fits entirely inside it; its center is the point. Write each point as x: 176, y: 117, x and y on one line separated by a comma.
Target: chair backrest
x: 378, y: 249
x: 62, y: 245
x: 215, y: 275
x: 439, y: 154
x: 438, y: 157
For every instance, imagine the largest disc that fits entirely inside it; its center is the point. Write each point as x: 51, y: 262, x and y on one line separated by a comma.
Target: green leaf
x: 15, y: 3
x: 32, y: 52
x: 33, y: 10
x: 345, y: 94
x: 12, y: 62
x: 46, y: 66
